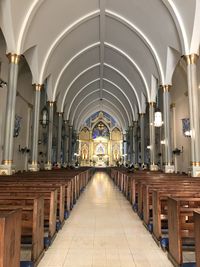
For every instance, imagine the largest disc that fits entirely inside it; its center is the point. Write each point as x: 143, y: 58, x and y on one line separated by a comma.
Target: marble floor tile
x: 103, y: 231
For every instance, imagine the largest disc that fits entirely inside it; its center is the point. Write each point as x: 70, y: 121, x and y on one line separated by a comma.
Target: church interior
x: 99, y: 133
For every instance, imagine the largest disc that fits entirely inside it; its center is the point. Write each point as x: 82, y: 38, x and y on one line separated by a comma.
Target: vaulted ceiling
x: 106, y: 55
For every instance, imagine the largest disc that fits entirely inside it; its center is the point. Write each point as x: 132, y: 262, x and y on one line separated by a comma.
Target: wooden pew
x: 180, y: 226
x: 160, y: 208
x: 32, y: 224
x: 50, y: 209
x: 10, y: 237
x: 197, y: 237
x: 38, y: 189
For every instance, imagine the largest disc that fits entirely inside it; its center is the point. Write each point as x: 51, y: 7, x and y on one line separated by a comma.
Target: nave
x: 103, y: 231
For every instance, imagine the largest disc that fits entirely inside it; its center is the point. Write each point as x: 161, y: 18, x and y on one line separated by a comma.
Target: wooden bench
x: 10, y: 237
x: 38, y: 189
x: 50, y: 209
x: 32, y: 224
x: 181, y: 226
x: 160, y: 218
x: 197, y: 237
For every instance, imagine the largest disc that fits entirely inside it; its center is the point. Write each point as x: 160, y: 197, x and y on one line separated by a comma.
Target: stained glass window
x: 100, y: 130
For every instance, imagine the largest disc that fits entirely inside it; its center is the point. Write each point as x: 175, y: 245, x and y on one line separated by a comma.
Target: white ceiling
x: 101, y: 54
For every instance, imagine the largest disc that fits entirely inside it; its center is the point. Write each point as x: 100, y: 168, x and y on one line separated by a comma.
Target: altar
x: 100, y: 142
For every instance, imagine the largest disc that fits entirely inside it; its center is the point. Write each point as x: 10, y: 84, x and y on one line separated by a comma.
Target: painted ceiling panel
x: 84, y: 61
x: 44, y: 31
x: 123, y: 65
x: 145, y: 15
x: 123, y: 97
x: 123, y: 38
x: 72, y: 45
x: 80, y: 82
x: 75, y: 96
x: 114, y: 77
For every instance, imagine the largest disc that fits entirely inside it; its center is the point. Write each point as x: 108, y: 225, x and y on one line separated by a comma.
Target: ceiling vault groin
x: 101, y: 54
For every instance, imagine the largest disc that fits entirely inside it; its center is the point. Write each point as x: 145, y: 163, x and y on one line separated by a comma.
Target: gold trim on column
x: 38, y: 87
x: 152, y: 104
x: 172, y: 105
x: 60, y: 113
x: 195, y: 164
x: 166, y: 88
x: 51, y: 103
x: 48, y: 162
x: 142, y: 114
x: 191, y: 59
x: 7, y: 162
x: 13, y: 58
x: 34, y: 162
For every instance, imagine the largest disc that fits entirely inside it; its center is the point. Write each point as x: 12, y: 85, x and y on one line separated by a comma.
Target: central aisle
x: 103, y: 231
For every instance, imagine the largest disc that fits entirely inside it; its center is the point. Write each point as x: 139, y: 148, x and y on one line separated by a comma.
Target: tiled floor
x: 103, y: 231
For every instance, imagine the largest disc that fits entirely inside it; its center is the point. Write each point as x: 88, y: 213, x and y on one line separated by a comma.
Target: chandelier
x: 158, y: 118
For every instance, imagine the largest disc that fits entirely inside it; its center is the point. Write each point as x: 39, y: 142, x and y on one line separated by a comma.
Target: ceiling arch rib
x: 110, y: 97
x: 69, y: 62
x: 179, y: 25
x: 62, y: 35
x: 133, y: 63
x: 85, y: 61
x: 80, y: 53
x: 26, y: 23
x: 122, y: 91
x: 35, y: 30
x: 128, y: 81
x: 134, y: 28
x: 76, y: 96
x: 62, y: 97
x: 72, y: 101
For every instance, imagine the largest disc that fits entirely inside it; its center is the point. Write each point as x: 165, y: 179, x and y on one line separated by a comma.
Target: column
x: 169, y: 168
x: 60, y: 119
x: 153, y: 166
x: 65, y: 140
x: 142, y: 137
x: 135, y: 144
x: 7, y: 167
x: 48, y: 165
x: 34, y: 166
x: 174, y: 143
x: 191, y: 61
x: 70, y: 144
x: 131, y: 143
x: 124, y: 148
x: 77, y: 144
x: 28, y: 135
